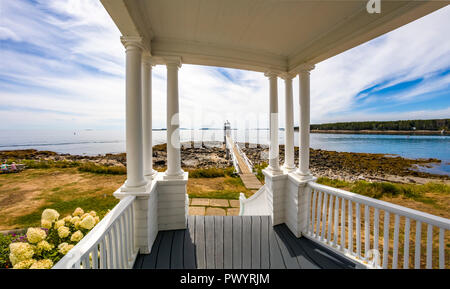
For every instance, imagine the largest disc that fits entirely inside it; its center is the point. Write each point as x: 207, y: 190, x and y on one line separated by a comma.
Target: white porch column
x: 147, y: 116
x: 274, y: 165
x: 304, y: 127
x: 289, y: 163
x: 135, y: 172
x: 173, y: 120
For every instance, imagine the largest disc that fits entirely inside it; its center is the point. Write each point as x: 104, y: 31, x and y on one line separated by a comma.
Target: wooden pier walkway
x: 250, y: 181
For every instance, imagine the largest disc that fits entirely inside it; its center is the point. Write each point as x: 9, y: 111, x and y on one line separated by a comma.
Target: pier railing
x: 409, y: 238
x: 109, y: 245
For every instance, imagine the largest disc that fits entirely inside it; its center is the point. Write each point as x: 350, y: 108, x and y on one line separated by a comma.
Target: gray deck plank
x: 256, y: 242
x: 237, y: 242
x: 265, y: 253
x: 165, y: 251
x: 189, y: 247
x: 218, y: 232
x: 200, y: 242
x: 177, y: 254
x: 209, y: 242
x: 150, y: 259
x: 227, y: 243
x: 276, y: 258
x: 303, y: 259
x: 246, y: 242
x: 288, y: 255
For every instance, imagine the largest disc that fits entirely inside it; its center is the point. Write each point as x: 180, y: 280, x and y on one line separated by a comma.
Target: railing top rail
x: 391, y: 208
x: 91, y: 239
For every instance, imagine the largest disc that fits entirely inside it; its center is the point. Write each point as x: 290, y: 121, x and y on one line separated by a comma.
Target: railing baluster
x: 406, y: 246
x: 366, y: 231
x: 429, y: 247
x: 343, y: 225
x: 358, y: 231
x: 103, y: 261
x: 330, y: 219
x: 336, y: 221
x: 324, y: 217
x: 350, y: 227
x: 441, y: 249
x: 109, y: 251
x: 418, y: 239
x: 396, y: 231
x: 86, y: 263
x: 125, y: 244
x: 95, y: 258
x: 386, y: 240
x: 308, y: 211
x: 319, y: 206
x: 375, y: 233
x: 313, y: 214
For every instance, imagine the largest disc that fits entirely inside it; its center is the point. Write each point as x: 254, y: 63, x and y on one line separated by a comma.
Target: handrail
x: 335, y: 217
x: 392, y: 208
x: 111, y: 241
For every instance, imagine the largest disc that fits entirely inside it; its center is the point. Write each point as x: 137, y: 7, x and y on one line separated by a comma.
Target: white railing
x: 109, y: 245
x: 334, y: 219
x: 233, y: 157
x: 246, y: 159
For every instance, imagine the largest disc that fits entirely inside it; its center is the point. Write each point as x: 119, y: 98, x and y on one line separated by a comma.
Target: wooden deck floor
x: 238, y: 242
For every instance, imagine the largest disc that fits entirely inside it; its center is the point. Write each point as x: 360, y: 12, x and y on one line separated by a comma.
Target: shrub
x: 44, y: 247
x: 5, y: 240
x: 98, y: 169
x: 211, y: 173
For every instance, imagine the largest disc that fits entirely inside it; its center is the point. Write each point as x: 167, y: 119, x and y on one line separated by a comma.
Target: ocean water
x: 95, y: 142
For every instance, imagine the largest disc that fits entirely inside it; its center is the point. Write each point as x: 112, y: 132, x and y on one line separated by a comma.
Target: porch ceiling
x: 259, y: 34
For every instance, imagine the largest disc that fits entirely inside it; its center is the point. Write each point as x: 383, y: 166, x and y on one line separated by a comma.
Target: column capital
x: 305, y: 68
x: 288, y: 75
x: 172, y: 60
x: 271, y: 74
x: 134, y: 42
x: 148, y: 60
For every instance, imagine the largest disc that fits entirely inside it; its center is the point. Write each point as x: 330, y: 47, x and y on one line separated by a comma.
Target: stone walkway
x: 213, y: 207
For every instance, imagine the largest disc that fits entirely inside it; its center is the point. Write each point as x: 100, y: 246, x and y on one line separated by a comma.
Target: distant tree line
x: 404, y: 125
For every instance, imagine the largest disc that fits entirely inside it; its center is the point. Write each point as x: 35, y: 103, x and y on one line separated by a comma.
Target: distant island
x: 419, y: 127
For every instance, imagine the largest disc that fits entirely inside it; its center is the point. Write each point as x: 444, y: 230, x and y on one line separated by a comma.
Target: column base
x: 150, y: 176
x: 135, y: 190
x: 273, y: 172
x: 180, y: 176
x: 288, y: 169
x: 303, y: 177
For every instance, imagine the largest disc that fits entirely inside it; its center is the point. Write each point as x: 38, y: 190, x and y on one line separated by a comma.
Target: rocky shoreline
x: 335, y: 165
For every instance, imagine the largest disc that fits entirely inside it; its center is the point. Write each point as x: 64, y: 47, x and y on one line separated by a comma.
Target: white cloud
x: 66, y: 69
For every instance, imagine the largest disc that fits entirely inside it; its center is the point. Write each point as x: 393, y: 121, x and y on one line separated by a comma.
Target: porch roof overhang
x: 259, y: 35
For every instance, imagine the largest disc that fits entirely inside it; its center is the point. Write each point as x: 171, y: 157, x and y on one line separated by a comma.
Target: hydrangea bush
x: 43, y: 247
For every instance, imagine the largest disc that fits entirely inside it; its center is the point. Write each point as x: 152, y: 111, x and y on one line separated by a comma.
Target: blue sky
x: 62, y: 67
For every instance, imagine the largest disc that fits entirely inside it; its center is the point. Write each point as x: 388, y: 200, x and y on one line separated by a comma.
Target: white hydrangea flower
x: 42, y: 264
x: 93, y: 214
x: 63, y: 232
x: 50, y: 215
x: 64, y: 248
x: 20, y: 252
x: 78, y: 212
x: 25, y: 264
x: 44, y: 246
x: 88, y: 222
x: 77, y: 236
x: 59, y: 223
x: 46, y: 224
x: 35, y: 235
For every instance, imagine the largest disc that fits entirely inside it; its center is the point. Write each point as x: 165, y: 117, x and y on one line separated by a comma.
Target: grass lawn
x: 25, y: 195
